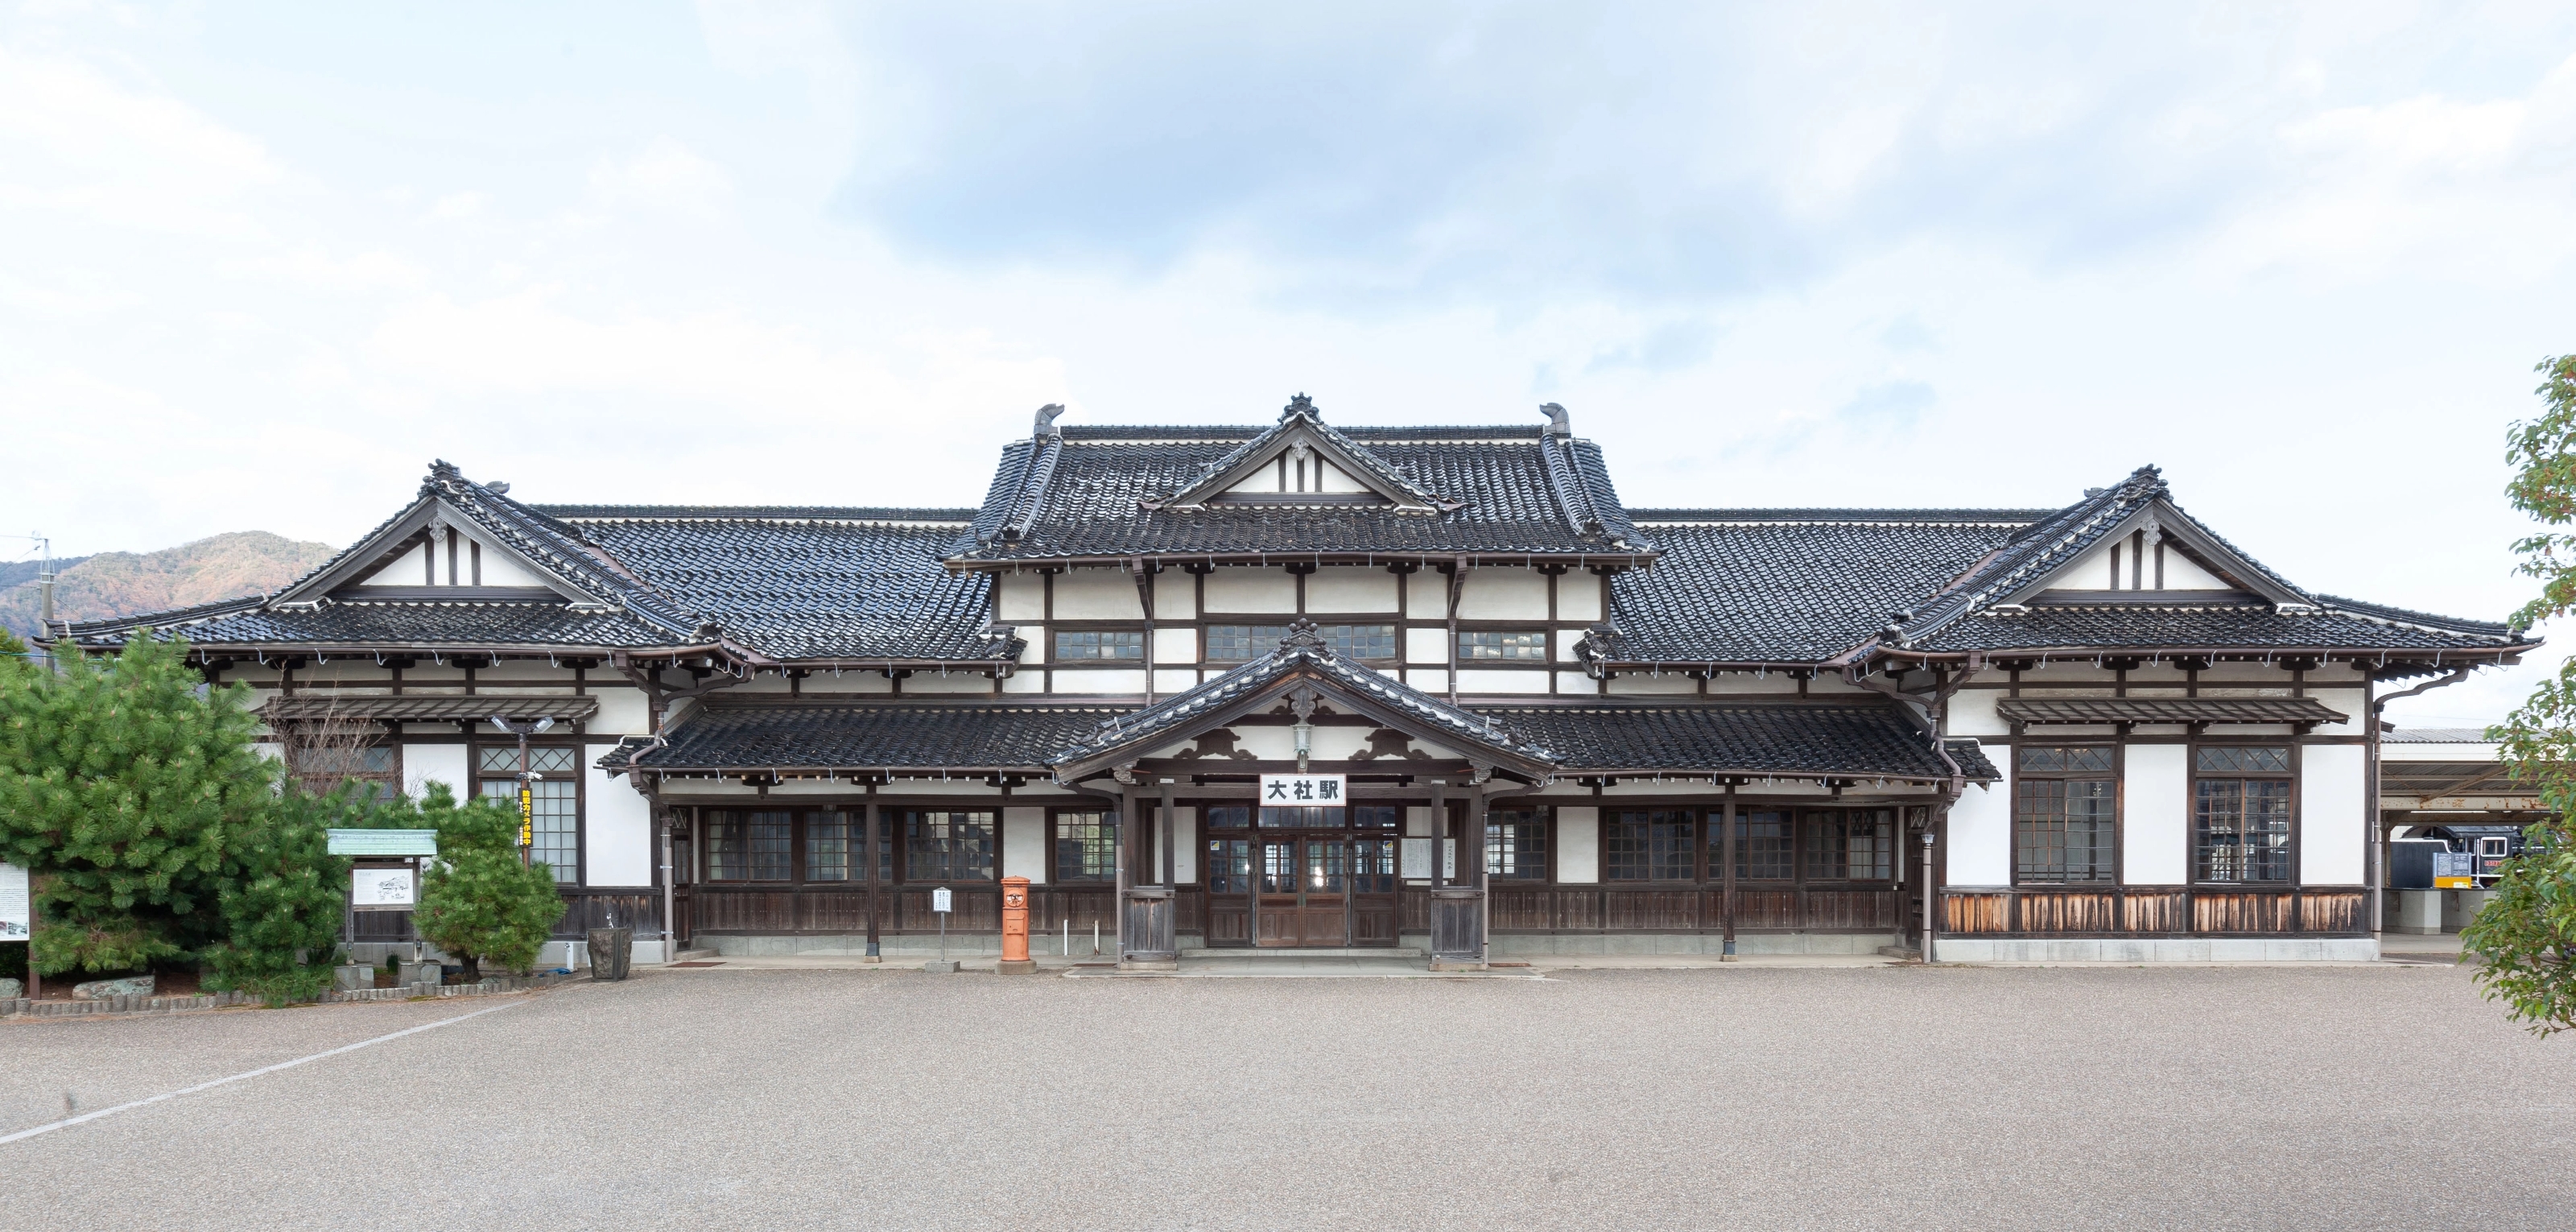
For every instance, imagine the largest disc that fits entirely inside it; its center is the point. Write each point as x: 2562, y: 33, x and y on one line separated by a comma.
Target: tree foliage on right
x: 2524, y: 942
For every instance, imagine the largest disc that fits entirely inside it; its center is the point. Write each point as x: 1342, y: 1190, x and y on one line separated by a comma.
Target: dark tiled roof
x: 1728, y: 738
x: 2167, y: 710
x: 1306, y: 655
x: 791, y: 588
x: 886, y: 736
x: 1972, y: 760
x: 469, y: 624
x: 763, y: 513
x: 1782, y: 592
x: 2015, y: 518
x: 2247, y: 626
x: 1082, y: 494
x: 2435, y: 735
x: 330, y: 705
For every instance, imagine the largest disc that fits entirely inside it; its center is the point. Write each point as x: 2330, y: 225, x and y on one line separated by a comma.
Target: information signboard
x: 939, y: 899
x: 1304, y: 790
x: 17, y: 922
x: 382, y: 889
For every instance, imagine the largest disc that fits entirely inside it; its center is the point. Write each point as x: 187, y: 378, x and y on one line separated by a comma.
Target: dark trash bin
x: 612, y: 953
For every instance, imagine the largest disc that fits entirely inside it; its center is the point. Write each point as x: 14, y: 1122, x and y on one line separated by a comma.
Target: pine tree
x: 479, y: 902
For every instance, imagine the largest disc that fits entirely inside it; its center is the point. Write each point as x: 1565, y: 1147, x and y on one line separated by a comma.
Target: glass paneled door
x: 1301, y: 878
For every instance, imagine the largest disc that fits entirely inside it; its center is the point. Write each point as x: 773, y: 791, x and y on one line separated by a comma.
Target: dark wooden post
x: 1726, y: 842
x: 1170, y: 856
x: 1439, y: 826
x: 1472, y: 847
x: 1126, y: 853
x: 872, y: 858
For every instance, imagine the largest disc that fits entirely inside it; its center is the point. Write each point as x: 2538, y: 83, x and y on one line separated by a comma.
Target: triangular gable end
x: 2159, y: 554
x: 1300, y: 460
x: 435, y: 551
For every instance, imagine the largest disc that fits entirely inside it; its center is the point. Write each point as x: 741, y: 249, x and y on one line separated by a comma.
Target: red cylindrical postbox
x: 1015, y: 925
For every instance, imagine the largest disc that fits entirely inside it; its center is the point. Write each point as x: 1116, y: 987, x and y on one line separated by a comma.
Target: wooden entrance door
x: 1305, y: 891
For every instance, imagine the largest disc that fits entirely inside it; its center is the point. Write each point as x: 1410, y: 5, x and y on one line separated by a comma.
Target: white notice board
x: 1417, y: 859
x: 381, y: 889
x: 17, y: 922
x: 939, y: 899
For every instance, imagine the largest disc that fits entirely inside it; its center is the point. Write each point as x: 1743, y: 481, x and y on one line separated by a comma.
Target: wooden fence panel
x: 2069, y: 911
x: 2155, y: 911
x: 1976, y: 913
x: 2222, y: 911
x: 1653, y: 909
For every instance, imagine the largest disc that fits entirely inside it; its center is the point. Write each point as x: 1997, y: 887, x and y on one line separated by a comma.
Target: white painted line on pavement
x: 67, y: 1122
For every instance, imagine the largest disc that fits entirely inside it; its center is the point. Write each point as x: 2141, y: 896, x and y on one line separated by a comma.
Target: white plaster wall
x: 1771, y: 684
x: 953, y: 682
x: 1185, y: 845
x: 1417, y: 821
x: 424, y: 764
x: 1176, y: 645
x: 1176, y: 596
x: 1025, y: 681
x: 1426, y: 646
x: 2349, y: 703
x: 1024, y: 843
x: 616, y: 826
x: 1578, y: 844
x: 405, y: 571
x: 1023, y: 596
x: 1644, y: 683
x: 1097, y: 594
x: 1503, y: 594
x: 1427, y: 594
x: 1096, y: 680
x: 2334, y: 818
x: 1428, y: 679
x: 1972, y: 713
x: 1502, y: 682
x: 1252, y: 590
x: 1981, y: 835
x: 1576, y: 682
x: 1578, y: 598
x: 1168, y: 681
x: 500, y: 568
x: 1334, y: 479
x: 2155, y: 815
x: 1350, y: 588
x: 622, y: 712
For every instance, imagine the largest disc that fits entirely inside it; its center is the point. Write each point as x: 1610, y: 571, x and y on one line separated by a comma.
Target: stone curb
x: 23, y: 1007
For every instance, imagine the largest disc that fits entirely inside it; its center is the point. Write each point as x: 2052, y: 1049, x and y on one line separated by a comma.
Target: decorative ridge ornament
x: 1300, y: 405
x: 1046, y: 421
x: 1558, y: 422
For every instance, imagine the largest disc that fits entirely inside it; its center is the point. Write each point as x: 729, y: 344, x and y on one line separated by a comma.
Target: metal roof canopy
x: 309, y: 707
x: 2167, y: 710
x: 383, y: 842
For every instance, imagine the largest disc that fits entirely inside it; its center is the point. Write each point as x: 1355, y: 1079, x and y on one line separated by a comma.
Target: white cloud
x: 664, y: 175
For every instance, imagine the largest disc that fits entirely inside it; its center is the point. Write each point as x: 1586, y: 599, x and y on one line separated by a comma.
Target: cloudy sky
x: 260, y: 264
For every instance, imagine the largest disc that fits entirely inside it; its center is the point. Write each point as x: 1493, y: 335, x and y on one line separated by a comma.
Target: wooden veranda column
x: 1472, y: 848
x: 1164, y: 840
x: 873, y: 858
x: 1726, y: 855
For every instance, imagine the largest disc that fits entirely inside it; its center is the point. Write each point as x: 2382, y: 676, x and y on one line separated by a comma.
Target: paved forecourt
x: 1772, y: 1097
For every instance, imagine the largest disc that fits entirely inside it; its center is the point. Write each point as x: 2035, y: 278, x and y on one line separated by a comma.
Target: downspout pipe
x: 2378, y: 867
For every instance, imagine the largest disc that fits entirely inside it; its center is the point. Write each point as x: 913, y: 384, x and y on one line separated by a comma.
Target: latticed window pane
x: 748, y: 846
x: 941, y: 845
x: 1650, y: 845
x: 1229, y: 816
x: 1490, y: 644
x: 1360, y: 641
x: 1302, y: 818
x: 1086, y: 847
x: 1099, y: 644
x: 1821, y: 836
x: 2242, y: 760
x: 1239, y: 643
x: 1516, y: 844
x: 2077, y: 760
x: 2066, y: 829
x: 1373, y: 866
x: 554, y: 808
x: 1871, y: 854
x: 324, y: 767
x: 504, y: 759
x: 1762, y: 848
x: 1377, y: 816
x: 827, y: 846
x: 1328, y: 867
x: 2241, y: 830
x: 1229, y: 865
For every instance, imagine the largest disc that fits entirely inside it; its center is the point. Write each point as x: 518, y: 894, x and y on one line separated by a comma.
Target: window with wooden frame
x: 2066, y: 814
x: 1243, y: 643
x: 1377, y: 816
x: 2240, y: 817
x: 554, y: 802
x: 1093, y: 645
x: 1852, y: 845
x: 321, y: 765
x: 949, y: 844
x: 1086, y: 846
x: 750, y: 845
x: 830, y: 854
x: 1765, y: 850
x: 1227, y: 816
x: 1649, y: 845
x: 1517, y: 645
x: 1516, y: 844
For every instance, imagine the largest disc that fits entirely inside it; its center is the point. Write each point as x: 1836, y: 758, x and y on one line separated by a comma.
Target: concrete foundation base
x: 2461, y: 906
x: 1552, y: 945
x: 2156, y: 949
x: 2414, y: 912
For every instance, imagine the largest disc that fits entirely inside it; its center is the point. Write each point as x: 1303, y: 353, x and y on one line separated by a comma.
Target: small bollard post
x: 1015, y: 927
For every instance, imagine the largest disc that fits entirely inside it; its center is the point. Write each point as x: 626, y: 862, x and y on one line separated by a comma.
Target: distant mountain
x: 120, y: 583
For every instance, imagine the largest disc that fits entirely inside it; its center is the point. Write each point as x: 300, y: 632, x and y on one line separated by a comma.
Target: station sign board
x: 1305, y: 790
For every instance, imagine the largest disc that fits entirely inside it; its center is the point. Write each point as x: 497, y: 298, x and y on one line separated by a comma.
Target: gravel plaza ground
x: 1765, y: 1097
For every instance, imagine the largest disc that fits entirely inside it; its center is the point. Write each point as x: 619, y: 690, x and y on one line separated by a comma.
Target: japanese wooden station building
x: 2099, y: 731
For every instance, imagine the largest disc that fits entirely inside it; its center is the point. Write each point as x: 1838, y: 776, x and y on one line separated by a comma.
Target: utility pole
x: 44, y: 596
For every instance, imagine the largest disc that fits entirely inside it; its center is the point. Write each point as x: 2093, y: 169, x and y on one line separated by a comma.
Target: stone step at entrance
x: 1231, y: 954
